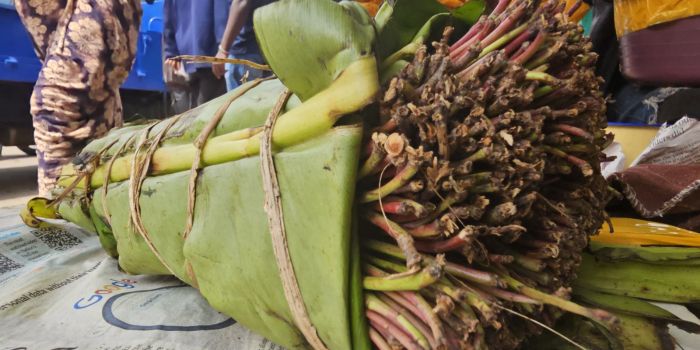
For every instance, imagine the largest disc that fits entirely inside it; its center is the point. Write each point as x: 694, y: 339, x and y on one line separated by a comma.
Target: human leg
x: 210, y: 87
x: 76, y: 95
x: 40, y: 18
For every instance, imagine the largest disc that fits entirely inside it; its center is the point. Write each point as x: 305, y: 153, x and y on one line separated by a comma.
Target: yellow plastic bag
x: 642, y: 233
x: 635, y: 15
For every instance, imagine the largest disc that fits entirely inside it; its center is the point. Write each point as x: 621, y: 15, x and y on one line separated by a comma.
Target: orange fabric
x: 452, y: 4
x: 371, y: 6
x: 578, y: 15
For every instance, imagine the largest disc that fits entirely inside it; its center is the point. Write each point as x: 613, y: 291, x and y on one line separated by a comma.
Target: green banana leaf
x: 640, y: 333
x: 399, y: 22
x: 114, y: 135
x: 652, y: 255
x: 77, y: 212
x: 247, y: 111
x: 470, y: 11
x: 411, y: 47
x: 308, y: 57
x: 636, y: 333
x: 623, y: 304
x: 634, y: 307
x: 580, y: 330
x: 335, y: 156
x: 665, y: 283
x: 229, y: 248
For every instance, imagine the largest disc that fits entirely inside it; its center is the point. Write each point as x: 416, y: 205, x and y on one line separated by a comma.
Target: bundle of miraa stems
x: 481, y: 184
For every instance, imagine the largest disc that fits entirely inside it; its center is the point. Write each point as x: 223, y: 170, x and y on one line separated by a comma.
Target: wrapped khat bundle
x: 381, y: 187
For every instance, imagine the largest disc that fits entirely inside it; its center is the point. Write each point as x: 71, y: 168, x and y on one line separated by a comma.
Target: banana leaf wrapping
x: 228, y: 253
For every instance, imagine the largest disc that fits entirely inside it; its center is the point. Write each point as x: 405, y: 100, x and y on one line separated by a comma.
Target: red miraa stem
x: 424, y: 231
x: 377, y: 321
x: 506, y: 25
x: 378, y: 340
x: 473, y: 275
x: 443, y: 246
x: 500, y: 7
x: 399, y: 299
x: 530, y: 51
x: 518, y: 41
x: 462, y: 50
x: 402, y: 207
x: 572, y: 130
x: 429, y: 315
x: 474, y: 30
x: 510, y: 296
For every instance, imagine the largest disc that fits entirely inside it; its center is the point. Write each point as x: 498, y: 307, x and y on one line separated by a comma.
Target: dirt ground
x: 17, y: 177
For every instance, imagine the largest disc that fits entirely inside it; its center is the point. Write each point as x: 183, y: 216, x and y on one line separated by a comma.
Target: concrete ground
x: 17, y: 177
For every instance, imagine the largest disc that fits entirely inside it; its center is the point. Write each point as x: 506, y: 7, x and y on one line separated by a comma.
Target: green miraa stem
x: 353, y: 89
x: 504, y: 39
x: 385, y: 264
x: 370, y: 165
x: 541, y: 91
x: 541, y: 68
x: 599, y: 316
x: 423, y: 278
x: 403, y: 238
x: 478, y: 155
x: 405, y: 52
x: 410, y: 49
x: 402, y: 178
x: 457, y: 270
x: 541, y: 76
x: 385, y: 248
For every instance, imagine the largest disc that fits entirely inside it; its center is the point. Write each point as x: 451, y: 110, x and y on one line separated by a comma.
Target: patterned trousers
x: 87, y: 48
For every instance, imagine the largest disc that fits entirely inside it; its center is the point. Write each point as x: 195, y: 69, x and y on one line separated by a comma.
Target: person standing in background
x: 86, y: 48
x: 193, y: 27
x: 239, y: 42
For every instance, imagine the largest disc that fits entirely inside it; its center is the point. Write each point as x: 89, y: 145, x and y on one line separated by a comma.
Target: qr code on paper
x: 7, y: 264
x: 56, y: 238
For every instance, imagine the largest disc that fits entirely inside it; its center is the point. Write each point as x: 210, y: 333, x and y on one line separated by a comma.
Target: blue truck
x: 143, y: 93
